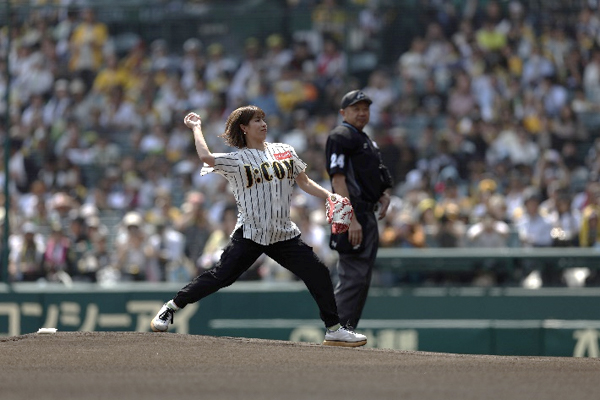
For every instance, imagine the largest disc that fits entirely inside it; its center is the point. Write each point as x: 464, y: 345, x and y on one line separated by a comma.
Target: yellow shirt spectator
x: 110, y: 76
x: 87, y: 43
x: 490, y: 39
x: 589, y: 225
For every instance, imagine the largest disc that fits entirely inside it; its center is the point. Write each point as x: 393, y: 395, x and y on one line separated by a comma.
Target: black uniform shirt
x: 352, y: 153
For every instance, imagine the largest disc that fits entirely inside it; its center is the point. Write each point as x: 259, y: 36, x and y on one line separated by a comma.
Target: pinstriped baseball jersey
x: 262, y: 183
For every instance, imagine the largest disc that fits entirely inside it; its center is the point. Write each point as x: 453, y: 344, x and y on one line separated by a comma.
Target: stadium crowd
x: 488, y: 123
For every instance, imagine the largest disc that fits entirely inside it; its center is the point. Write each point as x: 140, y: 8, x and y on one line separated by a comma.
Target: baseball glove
x: 339, y: 213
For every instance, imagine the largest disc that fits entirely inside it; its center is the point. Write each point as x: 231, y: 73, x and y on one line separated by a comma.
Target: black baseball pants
x: 355, y: 271
x: 239, y: 255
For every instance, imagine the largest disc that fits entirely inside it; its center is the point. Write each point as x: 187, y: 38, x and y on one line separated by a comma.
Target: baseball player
x: 262, y: 176
x: 357, y: 172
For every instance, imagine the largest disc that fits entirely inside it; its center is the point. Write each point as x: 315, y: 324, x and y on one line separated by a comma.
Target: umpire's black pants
x: 355, y: 271
x: 240, y: 254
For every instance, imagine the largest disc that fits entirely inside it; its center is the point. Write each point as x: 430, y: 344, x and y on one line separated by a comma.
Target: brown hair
x: 234, y: 136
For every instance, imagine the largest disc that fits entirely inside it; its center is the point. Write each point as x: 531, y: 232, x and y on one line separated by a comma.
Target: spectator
x: 192, y: 64
x: 100, y: 259
x: 481, y: 201
x: 313, y: 231
x: 133, y: 255
x: 26, y: 254
x: 86, y: 47
x: 303, y: 58
x: 429, y: 221
x: 489, y: 232
x: 379, y: 89
x: 371, y: 22
x: 514, y: 195
x: 331, y: 64
x: 266, y: 99
x: 566, y: 222
x: 401, y: 229
x: 57, y: 107
x: 534, y: 229
x: 589, y: 233
x: 558, y: 44
x: 491, y: 40
x: 110, y: 75
x: 59, y: 211
x: 161, y: 62
x: 166, y: 248
x: 277, y: 57
x: 553, y: 96
x: 105, y: 153
x: 193, y: 223
x: 536, y: 67
x: 154, y: 141
x: 432, y: 101
x: 35, y: 78
x: 62, y: 33
x: 564, y: 128
x: 219, y: 69
x: 81, y: 106
x: 329, y: 19
x: 218, y: 238
x: 32, y: 205
x: 411, y: 64
x: 451, y: 229
x: 461, y: 100
x: 200, y: 97
x: 516, y: 143
x: 119, y: 113
x: 56, y: 262
x: 81, y: 245
x: 163, y: 208
x: 33, y: 114
x: 289, y: 91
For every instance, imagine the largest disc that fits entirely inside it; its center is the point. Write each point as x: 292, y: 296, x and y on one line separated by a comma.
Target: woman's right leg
x: 237, y: 257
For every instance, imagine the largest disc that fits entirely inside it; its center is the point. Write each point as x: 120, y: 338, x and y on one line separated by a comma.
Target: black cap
x: 354, y: 97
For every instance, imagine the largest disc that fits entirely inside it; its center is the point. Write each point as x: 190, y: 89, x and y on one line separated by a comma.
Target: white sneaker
x: 160, y: 323
x: 344, y: 337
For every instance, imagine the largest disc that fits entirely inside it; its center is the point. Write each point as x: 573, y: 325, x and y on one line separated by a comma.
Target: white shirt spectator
x: 536, y: 68
x: 517, y: 146
x: 591, y: 78
x: 380, y: 90
x: 488, y: 233
x: 534, y: 231
x: 119, y: 116
x: 200, y: 97
x: 37, y: 79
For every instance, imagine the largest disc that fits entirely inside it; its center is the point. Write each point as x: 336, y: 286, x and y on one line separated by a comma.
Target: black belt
x: 363, y: 206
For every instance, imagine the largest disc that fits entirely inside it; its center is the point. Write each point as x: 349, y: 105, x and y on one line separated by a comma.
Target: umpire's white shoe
x: 160, y: 323
x: 344, y: 337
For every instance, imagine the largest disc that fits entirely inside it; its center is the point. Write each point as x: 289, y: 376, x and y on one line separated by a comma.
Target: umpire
x: 357, y: 172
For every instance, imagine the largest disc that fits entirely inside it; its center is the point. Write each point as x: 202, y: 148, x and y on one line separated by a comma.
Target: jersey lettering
x: 249, y: 179
x: 256, y: 175
x: 264, y: 168
x: 279, y: 170
x: 337, y: 161
x: 289, y: 165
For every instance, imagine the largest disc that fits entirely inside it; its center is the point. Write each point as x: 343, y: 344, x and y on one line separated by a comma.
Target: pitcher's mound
x: 135, y: 365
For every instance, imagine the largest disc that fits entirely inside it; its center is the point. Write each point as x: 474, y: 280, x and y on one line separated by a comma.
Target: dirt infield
x: 132, y: 365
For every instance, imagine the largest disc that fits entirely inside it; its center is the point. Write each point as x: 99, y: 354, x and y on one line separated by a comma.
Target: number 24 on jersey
x: 337, y: 161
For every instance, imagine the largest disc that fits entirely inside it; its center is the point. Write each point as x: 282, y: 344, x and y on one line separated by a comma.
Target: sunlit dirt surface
x: 133, y: 365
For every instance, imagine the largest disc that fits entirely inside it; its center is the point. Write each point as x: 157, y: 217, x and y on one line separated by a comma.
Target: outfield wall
x: 503, y: 321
